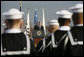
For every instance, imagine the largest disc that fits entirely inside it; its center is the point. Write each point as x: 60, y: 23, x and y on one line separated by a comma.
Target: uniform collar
x: 64, y: 28
x: 79, y: 25
x: 13, y: 31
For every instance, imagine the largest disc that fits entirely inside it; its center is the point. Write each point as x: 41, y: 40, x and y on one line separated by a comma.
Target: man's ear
x: 21, y: 23
x: 6, y: 22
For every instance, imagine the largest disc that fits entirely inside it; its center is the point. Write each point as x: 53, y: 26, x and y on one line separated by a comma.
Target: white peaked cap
x: 64, y: 14
x: 53, y: 22
x: 78, y: 8
x: 13, y: 14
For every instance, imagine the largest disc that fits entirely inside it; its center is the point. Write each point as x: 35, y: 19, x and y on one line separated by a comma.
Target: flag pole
x: 20, y: 3
x: 44, y: 21
x: 44, y: 25
x: 28, y: 23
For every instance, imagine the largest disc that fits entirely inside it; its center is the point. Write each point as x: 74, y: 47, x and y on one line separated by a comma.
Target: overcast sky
x: 50, y: 8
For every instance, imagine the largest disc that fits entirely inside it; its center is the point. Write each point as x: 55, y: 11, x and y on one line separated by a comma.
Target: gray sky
x: 50, y: 8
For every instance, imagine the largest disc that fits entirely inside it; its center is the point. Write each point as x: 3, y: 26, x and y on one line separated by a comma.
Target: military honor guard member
x: 13, y: 40
x: 53, y: 26
x: 58, y: 43
x: 76, y: 33
x: 41, y: 46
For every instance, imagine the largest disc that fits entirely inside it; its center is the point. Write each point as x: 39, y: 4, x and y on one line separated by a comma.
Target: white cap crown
x: 53, y: 22
x: 13, y: 14
x: 78, y: 8
x: 64, y: 14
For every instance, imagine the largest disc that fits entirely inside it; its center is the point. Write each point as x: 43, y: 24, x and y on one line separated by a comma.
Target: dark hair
x: 77, y: 17
x: 63, y: 21
x: 12, y: 21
